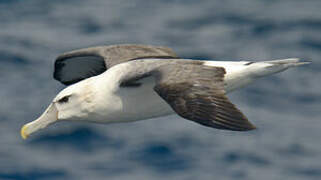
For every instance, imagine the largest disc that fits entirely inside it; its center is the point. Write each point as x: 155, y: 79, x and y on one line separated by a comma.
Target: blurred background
x: 285, y: 107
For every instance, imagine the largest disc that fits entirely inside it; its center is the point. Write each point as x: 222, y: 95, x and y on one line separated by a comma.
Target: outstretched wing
x: 74, y: 66
x: 193, y: 90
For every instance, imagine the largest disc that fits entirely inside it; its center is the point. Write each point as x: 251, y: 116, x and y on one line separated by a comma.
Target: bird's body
x: 149, y: 87
x: 140, y: 103
x: 114, y: 104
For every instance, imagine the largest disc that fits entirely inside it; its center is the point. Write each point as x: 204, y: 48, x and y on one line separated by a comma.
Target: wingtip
x: 303, y: 63
x: 289, y: 62
x: 299, y: 62
x: 250, y: 127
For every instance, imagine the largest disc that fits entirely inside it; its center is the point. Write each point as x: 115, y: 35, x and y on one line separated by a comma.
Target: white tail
x: 241, y: 73
x: 288, y: 62
x: 264, y: 68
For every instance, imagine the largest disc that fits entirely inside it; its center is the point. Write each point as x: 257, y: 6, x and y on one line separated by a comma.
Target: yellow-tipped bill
x: 23, y: 132
x: 48, y: 117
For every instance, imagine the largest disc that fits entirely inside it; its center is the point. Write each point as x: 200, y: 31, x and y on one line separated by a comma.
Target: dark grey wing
x: 117, y: 54
x: 196, y: 92
x: 74, y: 66
x: 74, y: 69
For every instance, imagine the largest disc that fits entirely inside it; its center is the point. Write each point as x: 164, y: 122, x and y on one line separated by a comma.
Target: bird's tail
x: 288, y: 62
x: 239, y: 74
x: 264, y: 68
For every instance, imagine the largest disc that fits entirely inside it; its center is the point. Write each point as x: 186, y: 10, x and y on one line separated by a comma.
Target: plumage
x: 124, y: 83
x: 74, y: 66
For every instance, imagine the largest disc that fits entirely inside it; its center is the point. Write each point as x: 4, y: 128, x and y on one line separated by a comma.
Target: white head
x: 72, y: 103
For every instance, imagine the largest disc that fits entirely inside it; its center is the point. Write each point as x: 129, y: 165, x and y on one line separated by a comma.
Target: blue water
x: 285, y: 107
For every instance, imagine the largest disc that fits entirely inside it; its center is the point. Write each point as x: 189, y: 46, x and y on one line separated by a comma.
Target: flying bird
x: 129, y: 82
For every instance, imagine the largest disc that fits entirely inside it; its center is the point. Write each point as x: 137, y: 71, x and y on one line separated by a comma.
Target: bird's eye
x: 65, y: 99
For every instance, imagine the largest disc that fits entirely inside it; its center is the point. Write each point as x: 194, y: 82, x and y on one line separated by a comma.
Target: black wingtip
x: 246, y: 126
x: 249, y: 128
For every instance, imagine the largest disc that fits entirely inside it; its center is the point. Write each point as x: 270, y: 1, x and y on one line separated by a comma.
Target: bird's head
x: 72, y: 103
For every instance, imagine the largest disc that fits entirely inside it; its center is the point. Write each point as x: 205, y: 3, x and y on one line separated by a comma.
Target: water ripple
x: 80, y: 139
x: 161, y: 158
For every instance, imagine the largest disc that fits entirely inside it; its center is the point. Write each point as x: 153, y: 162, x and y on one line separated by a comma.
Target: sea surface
x: 285, y: 107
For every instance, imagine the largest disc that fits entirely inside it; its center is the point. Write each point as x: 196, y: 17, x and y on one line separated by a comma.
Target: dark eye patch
x: 65, y: 99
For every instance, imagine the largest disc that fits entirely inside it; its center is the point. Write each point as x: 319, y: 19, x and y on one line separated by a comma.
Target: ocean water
x: 285, y: 107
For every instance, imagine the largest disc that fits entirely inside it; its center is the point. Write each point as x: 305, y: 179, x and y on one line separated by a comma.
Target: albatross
x: 129, y: 82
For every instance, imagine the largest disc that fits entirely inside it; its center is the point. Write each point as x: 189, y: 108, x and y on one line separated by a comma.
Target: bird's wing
x: 194, y: 91
x: 80, y: 64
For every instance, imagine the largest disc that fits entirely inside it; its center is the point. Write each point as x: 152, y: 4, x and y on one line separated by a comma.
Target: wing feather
x: 194, y: 91
x: 74, y: 66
